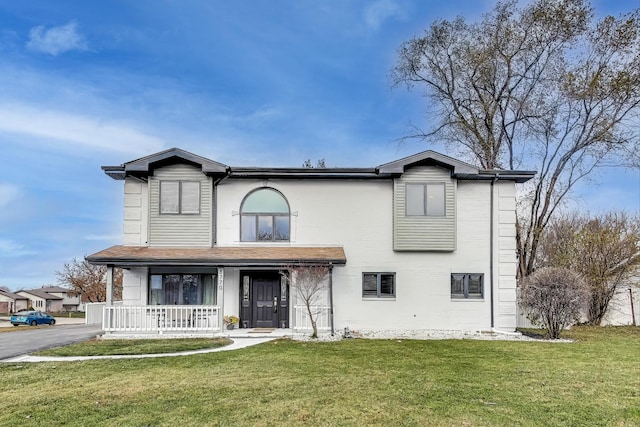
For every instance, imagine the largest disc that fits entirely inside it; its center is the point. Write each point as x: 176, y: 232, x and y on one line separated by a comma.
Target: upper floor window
x: 425, y: 199
x: 179, y: 197
x: 264, y: 216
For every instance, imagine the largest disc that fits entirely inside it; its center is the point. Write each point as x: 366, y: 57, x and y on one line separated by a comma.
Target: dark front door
x: 266, y: 298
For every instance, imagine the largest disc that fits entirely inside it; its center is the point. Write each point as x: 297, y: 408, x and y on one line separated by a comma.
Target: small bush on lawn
x: 553, y: 297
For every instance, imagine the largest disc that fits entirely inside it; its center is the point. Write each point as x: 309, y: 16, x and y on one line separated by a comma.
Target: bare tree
x: 310, y: 284
x: 542, y: 87
x: 604, y: 249
x: 553, y: 296
x: 319, y: 164
x: 89, y: 281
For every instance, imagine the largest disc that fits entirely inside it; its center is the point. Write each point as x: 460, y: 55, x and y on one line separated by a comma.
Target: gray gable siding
x: 180, y: 229
x: 424, y: 233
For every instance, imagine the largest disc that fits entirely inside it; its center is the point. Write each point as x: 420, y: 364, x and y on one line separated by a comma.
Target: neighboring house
x: 42, y: 301
x: 69, y: 302
x: 424, y: 242
x: 10, y: 302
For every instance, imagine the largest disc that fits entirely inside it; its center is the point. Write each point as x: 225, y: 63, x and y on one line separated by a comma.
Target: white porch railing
x: 322, y: 315
x: 161, y: 318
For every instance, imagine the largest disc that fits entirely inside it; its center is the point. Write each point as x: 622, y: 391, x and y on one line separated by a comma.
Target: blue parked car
x: 32, y: 318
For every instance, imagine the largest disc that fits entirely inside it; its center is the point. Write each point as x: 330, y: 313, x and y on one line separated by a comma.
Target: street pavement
x: 16, y: 345
x: 25, y: 339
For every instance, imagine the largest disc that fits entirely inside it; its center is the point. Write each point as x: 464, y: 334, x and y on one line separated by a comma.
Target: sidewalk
x: 238, y: 343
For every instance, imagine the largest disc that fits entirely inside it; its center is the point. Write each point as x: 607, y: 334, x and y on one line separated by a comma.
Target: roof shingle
x: 219, y: 256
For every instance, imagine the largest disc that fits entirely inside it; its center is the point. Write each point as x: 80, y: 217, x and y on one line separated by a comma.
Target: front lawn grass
x: 592, y: 381
x: 131, y: 347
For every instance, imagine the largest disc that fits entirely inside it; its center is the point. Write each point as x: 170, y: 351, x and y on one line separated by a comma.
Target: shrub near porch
x: 593, y: 381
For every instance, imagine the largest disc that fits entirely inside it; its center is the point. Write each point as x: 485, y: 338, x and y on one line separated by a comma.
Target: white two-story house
x: 426, y: 242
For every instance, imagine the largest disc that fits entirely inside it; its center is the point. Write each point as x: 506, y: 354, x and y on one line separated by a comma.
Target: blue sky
x: 87, y: 83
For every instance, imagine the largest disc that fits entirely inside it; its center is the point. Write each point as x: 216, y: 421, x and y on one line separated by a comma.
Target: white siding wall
x: 505, y: 258
x: 231, y: 292
x: 134, y: 286
x: 359, y: 216
x: 136, y: 212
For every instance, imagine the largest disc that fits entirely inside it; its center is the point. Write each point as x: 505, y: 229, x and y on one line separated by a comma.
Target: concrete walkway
x: 237, y: 344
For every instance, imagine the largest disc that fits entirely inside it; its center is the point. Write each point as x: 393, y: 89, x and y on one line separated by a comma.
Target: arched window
x: 264, y: 216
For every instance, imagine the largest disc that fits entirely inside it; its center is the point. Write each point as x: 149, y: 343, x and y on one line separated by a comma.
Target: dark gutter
x: 121, y: 262
x: 307, y: 173
x: 497, y: 175
x: 115, y: 172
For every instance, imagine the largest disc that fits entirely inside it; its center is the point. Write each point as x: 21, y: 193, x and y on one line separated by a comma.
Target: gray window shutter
x: 435, y: 200
x: 169, y: 197
x: 190, y: 202
x: 414, y: 199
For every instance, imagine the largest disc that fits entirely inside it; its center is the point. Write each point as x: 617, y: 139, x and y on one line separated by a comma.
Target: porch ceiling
x: 218, y: 256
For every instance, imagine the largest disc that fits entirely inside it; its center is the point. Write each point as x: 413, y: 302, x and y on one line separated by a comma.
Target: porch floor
x: 256, y: 333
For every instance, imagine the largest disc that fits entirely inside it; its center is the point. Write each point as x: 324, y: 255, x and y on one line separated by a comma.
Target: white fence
x: 321, y: 313
x: 184, y: 318
x: 521, y: 315
x: 161, y: 318
x: 94, y: 312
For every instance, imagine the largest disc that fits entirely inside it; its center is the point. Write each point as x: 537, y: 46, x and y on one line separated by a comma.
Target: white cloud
x: 56, y: 40
x: 85, y: 131
x: 8, y: 193
x: 381, y: 10
x: 9, y: 248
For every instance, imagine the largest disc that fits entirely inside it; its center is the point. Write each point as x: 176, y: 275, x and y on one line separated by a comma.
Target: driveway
x: 26, y: 340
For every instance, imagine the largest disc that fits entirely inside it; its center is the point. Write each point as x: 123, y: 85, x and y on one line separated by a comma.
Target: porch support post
x: 220, y: 297
x: 109, y: 277
x: 331, y: 298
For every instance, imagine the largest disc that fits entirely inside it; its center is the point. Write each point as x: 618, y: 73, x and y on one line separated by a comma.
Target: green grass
x: 592, y: 381
x: 122, y: 347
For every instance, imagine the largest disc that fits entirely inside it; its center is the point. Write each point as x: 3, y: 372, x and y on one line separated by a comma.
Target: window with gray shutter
x: 467, y: 286
x: 425, y: 199
x: 378, y: 285
x: 179, y: 197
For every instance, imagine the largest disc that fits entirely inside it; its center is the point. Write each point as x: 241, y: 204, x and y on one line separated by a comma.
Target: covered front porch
x: 188, y: 292
x: 194, y: 320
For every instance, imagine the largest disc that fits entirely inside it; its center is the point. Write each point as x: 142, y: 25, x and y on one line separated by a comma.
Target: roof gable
x: 40, y: 294
x: 12, y: 295
x: 144, y: 166
x: 429, y: 156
